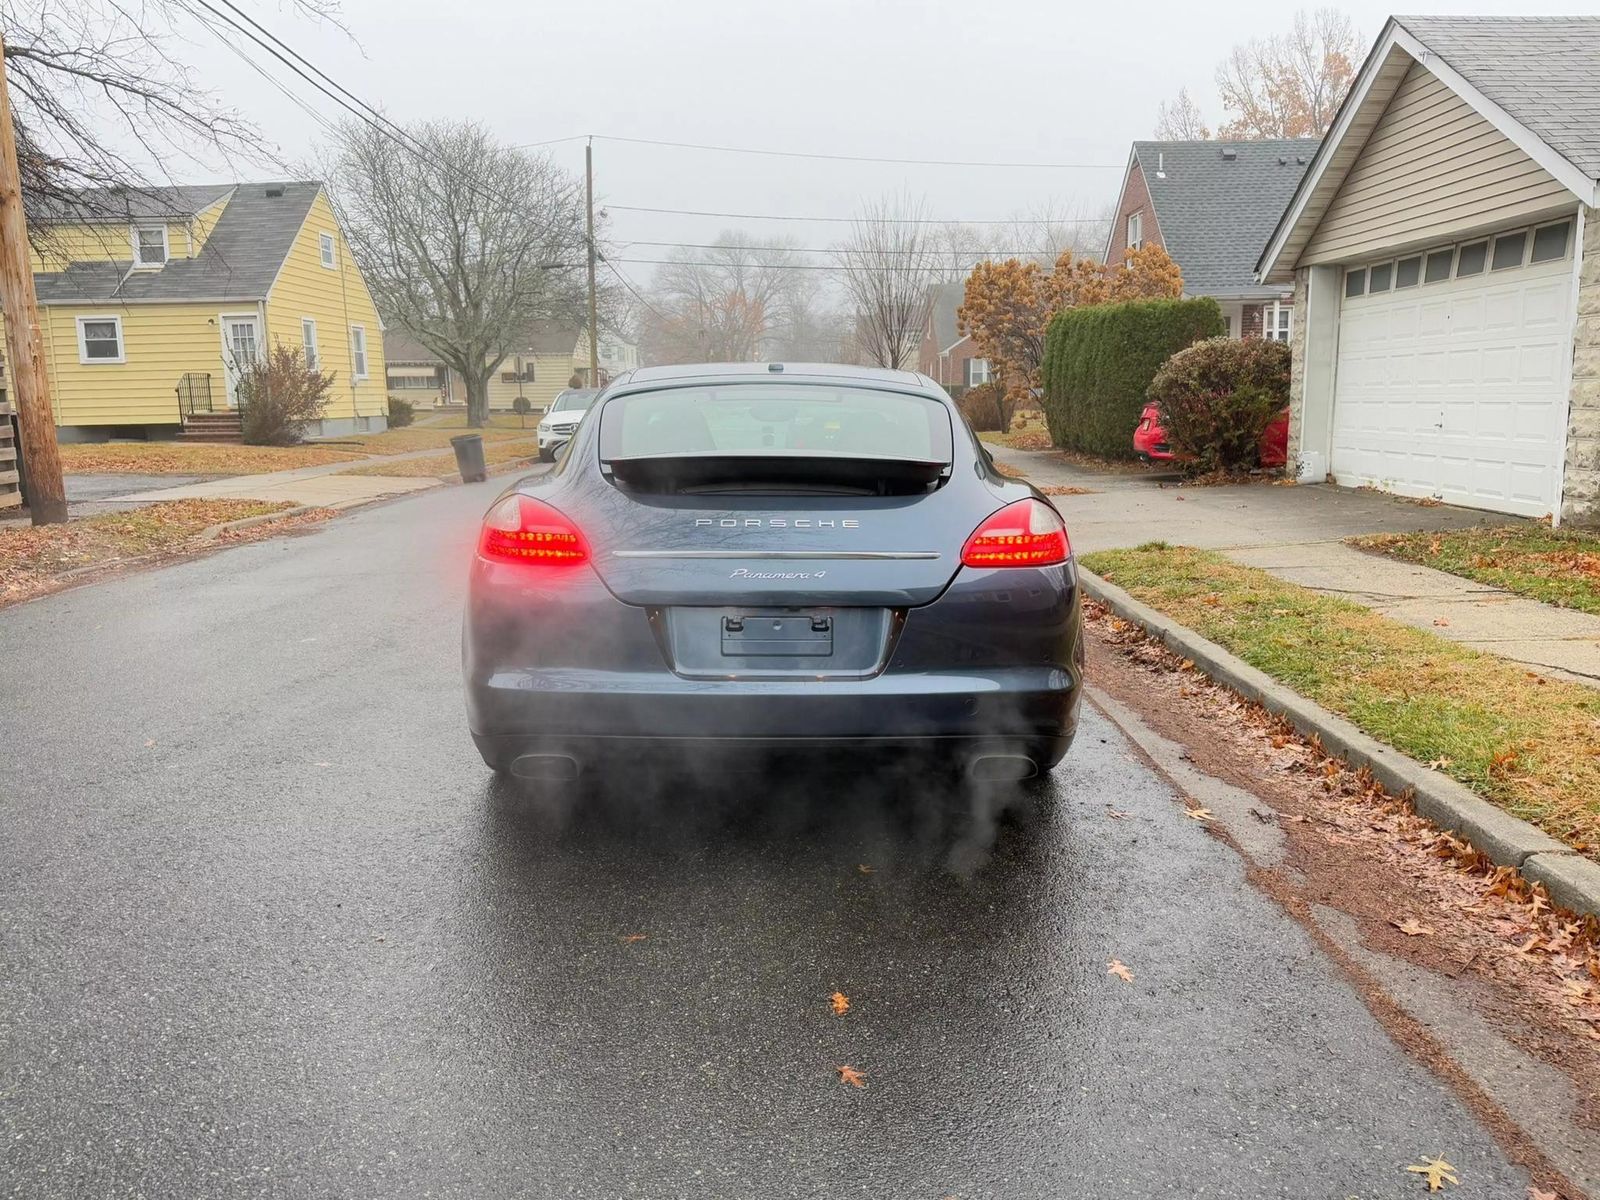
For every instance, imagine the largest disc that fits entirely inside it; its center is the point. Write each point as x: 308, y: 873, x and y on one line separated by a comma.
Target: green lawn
x: 1528, y: 743
x: 1558, y: 566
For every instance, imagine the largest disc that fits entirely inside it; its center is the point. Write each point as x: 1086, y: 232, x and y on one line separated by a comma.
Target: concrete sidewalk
x: 1298, y: 533
x: 1561, y: 642
x: 323, y: 486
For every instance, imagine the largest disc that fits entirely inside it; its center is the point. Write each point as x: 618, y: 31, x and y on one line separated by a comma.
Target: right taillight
x: 521, y: 529
x: 1028, y: 533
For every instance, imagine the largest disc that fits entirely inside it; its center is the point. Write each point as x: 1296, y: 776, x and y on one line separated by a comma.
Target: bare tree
x: 101, y: 100
x: 727, y: 303
x: 1291, y: 85
x: 465, y: 245
x: 886, y: 266
x: 1180, y: 120
x: 1042, y: 234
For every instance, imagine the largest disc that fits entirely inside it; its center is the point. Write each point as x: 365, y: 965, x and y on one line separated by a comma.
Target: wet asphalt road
x: 269, y: 930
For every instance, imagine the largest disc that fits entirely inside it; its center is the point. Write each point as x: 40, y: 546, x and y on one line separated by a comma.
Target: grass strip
x: 1526, y: 742
x: 1557, y: 566
x: 33, y: 558
x: 194, y: 458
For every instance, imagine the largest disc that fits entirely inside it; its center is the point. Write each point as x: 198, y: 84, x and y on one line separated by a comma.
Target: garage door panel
x: 1454, y: 389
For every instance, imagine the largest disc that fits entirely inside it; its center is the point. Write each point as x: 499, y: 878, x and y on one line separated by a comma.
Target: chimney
x: 274, y: 190
x: 1229, y: 153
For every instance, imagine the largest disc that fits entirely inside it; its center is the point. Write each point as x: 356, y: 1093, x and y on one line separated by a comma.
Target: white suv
x: 559, y: 422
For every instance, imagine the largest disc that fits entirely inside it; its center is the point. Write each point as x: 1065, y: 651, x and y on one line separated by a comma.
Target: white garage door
x: 1452, y: 372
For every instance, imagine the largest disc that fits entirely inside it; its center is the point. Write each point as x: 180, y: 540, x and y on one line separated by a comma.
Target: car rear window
x: 787, y: 419
x: 574, y: 402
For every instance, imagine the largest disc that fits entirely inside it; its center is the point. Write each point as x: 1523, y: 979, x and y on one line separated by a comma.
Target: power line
x: 627, y: 283
x: 863, y: 158
x: 826, y: 249
x: 673, y: 262
x: 694, y: 212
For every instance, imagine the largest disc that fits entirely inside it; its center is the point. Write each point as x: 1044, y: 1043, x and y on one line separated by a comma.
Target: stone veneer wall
x: 1580, y: 492
x: 1297, y: 368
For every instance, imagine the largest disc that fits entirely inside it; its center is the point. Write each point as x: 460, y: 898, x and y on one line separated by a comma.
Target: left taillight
x: 1028, y: 533
x: 521, y: 529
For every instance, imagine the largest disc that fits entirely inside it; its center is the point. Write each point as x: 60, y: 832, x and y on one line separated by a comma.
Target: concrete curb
x: 212, y: 532
x: 1572, y: 880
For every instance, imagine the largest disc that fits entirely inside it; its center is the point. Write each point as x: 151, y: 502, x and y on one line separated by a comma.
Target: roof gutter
x: 1396, y: 36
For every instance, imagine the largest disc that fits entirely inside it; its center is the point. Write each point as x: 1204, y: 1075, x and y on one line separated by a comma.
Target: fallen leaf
x: 1116, y: 814
x: 840, y: 1002
x: 1437, y: 1172
x: 1538, y: 1193
x: 1117, y: 968
x: 864, y: 869
x: 1411, y: 927
x: 1439, y: 764
x: 1441, y: 621
x: 629, y: 938
x: 1186, y: 665
x: 148, y: 742
x: 1197, y: 814
x: 851, y: 1076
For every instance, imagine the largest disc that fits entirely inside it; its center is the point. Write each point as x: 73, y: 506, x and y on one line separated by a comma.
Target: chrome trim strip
x: 772, y: 554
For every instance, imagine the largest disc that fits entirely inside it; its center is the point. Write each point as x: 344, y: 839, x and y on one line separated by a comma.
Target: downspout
x: 1572, y: 348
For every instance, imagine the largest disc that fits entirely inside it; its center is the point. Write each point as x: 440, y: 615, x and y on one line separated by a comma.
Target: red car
x: 1150, y: 440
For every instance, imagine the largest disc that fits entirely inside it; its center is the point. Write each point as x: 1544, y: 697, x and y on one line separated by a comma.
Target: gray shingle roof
x: 1544, y: 71
x: 947, y: 298
x: 1216, y: 213
x: 239, y: 261
x: 135, y: 204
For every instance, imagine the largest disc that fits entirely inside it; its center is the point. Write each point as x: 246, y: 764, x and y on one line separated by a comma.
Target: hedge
x: 1099, y: 361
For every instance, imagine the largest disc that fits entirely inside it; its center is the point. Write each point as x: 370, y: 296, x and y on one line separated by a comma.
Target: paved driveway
x: 1127, y: 509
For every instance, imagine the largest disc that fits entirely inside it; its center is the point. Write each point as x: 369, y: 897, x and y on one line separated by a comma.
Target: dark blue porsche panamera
x: 780, y: 557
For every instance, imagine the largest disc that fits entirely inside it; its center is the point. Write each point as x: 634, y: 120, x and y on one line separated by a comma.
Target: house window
x: 358, y: 352
x: 1508, y: 250
x: 149, y: 246
x: 1407, y: 273
x: 1355, y: 282
x: 308, y: 335
x: 1438, y: 268
x: 1550, y: 243
x: 1135, y: 230
x: 1471, y: 259
x: 1227, y: 325
x: 977, y: 372
x: 401, y: 383
x: 100, y: 339
x: 328, y: 251
x: 1379, y: 276
x: 1275, y: 321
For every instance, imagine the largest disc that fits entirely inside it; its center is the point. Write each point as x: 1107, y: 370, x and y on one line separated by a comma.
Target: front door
x: 241, y: 346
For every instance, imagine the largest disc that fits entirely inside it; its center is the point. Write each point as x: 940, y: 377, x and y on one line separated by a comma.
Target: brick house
x: 1212, y: 205
x: 945, y: 354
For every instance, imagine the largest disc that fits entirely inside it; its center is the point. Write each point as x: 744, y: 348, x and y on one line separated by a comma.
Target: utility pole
x: 47, y: 497
x: 594, y: 307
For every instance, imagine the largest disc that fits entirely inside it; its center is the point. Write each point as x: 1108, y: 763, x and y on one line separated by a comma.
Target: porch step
x: 212, y: 427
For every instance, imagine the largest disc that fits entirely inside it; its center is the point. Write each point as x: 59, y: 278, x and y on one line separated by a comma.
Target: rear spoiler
x: 674, y: 472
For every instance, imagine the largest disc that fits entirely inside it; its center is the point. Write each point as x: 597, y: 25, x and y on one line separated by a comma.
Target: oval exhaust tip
x: 545, y: 766
x: 993, y: 768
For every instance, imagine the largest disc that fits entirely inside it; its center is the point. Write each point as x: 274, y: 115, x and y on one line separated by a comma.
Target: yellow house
x: 543, y: 364
x: 151, y: 301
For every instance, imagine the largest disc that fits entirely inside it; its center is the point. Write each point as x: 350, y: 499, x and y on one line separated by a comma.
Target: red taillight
x: 524, y: 530
x: 1025, y: 534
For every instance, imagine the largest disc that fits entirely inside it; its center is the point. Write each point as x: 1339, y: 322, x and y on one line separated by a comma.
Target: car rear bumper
x: 566, y: 668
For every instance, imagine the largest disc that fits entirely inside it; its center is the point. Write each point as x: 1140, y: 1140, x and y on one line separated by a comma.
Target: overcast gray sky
x: 1012, y: 80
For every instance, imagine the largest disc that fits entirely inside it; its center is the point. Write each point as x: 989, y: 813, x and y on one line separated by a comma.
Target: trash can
x: 469, y: 457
